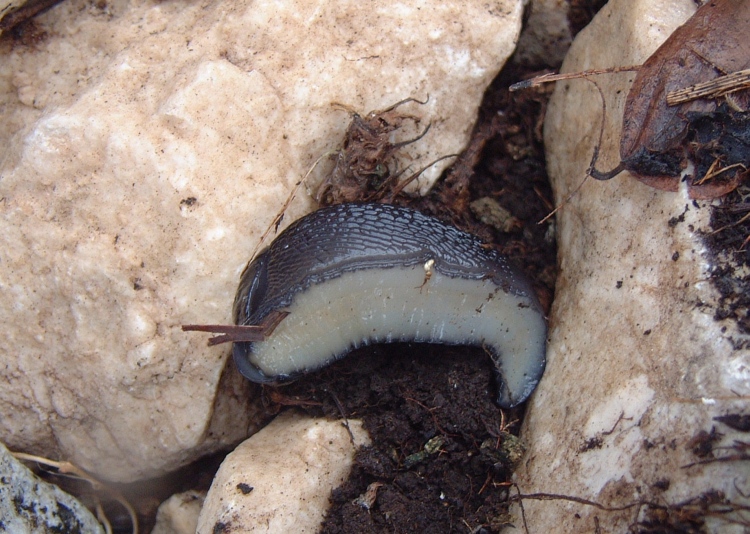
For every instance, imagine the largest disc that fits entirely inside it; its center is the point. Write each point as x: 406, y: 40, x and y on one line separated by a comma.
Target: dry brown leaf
x: 659, y: 141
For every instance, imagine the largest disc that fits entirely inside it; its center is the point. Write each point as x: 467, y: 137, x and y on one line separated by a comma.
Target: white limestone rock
x: 179, y: 514
x: 146, y: 146
x: 28, y: 505
x: 280, y: 479
x: 635, y: 368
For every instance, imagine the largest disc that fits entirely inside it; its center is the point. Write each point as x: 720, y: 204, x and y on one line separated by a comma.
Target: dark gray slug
x: 358, y: 274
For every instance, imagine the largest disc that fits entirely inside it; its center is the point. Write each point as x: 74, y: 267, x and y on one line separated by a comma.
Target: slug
x: 357, y: 274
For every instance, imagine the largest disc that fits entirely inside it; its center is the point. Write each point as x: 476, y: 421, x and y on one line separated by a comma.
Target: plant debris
x: 366, y: 167
x: 707, y: 140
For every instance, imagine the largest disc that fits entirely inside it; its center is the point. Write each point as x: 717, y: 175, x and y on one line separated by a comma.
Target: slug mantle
x: 358, y: 274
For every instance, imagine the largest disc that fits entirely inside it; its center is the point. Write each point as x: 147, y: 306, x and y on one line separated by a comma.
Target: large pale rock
x: 635, y: 368
x: 146, y: 146
x: 280, y: 479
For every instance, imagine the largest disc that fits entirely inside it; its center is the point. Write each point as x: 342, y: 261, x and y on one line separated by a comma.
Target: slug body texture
x: 358, y: 274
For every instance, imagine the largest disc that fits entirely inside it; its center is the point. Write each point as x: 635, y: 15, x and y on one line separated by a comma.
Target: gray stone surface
x: 546, y: 35
x: 29, y: 505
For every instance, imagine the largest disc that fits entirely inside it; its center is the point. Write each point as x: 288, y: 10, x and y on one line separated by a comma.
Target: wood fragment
x: 239, y: 333
x: 551, y: 77
x: 716, y: 88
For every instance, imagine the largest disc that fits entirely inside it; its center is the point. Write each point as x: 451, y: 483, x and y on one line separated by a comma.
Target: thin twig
x: 571, y: 498
x: 591, y: 171
x: 343, y: 416
x: 280, y: 216
x: 547, y: 78
x: 713, y: 172
x: 723, y: 459
x: 400, y: 187
x: 240, y: 333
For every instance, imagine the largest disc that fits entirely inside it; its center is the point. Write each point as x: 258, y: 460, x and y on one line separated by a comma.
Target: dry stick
x: 591, y: 171
x: 713, y: 173
x: 580, y: 500
x: 743, y: 219
x: 716, y: 88
x: 66, y: 468
x: 405, y: 101
x: 340, y: 408
x: 69, y: 468
x: 400, y: 187
x: 546, y: 78
x: 102, y: 517
x: 523, y: 511
x: 239, y: 333
x: 352, y: 111
x: 723, y: 459
x: 732, y: 507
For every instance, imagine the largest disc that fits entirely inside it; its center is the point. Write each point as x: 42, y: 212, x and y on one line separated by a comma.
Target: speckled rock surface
x: 636, y: 369
x: 179, y: 514
x: 280, y: 479
x: 146, y: 146
x: 29, y: 505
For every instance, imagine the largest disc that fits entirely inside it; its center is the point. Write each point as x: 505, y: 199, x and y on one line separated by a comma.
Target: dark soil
x: 728, y: 244
x: 412, y: 397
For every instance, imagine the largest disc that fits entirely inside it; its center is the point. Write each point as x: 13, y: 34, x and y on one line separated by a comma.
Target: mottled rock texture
x: 179, y: 514
x: 636, y: 368
x: 28, y: 505
x: 280, y: 479
x: 146, y: 146
x: 546, y: 34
